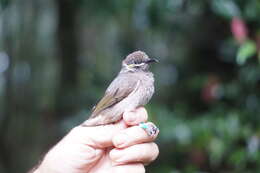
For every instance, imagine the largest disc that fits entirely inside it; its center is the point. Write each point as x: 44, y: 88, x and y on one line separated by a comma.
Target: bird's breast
x: 146, y: 88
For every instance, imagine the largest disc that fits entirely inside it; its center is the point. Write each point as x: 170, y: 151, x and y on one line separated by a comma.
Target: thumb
x: 81, y: 148
x: 97, y: 136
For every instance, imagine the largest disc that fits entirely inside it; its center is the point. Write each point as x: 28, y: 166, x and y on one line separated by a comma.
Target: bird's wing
x: 115, y: 95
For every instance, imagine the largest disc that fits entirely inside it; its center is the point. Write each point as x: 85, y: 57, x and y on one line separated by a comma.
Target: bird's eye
x: 137, y: 62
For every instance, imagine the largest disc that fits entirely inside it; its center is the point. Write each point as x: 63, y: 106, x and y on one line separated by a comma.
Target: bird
x: 133, y: 87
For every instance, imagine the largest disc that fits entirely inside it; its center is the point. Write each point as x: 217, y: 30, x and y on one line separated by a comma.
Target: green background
x: 58, y: 56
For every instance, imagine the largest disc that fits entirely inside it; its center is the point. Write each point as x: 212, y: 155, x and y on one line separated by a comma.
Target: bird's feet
x: 149, y: 128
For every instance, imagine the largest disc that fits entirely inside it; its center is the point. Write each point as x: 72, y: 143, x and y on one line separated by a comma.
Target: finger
x: 98, y: 136
x: 135, y: 167
x: 131, y: 136
x: 144, y: 153
x: 135, y: 117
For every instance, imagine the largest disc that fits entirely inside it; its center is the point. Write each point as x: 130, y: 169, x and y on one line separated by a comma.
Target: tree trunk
x: 68, y: 58
x: 5, y: 150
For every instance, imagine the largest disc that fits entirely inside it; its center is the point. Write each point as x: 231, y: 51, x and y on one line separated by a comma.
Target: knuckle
x: 91, y: 154
x: 149, y: 152
x: 155, y: 150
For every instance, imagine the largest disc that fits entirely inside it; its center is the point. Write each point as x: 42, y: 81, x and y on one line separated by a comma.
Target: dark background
x: 58, y: 56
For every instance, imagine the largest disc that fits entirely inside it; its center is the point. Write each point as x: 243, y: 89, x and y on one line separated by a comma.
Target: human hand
x: 121, y: 147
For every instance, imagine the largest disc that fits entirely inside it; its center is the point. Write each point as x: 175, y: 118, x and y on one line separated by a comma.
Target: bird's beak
x: 151, y: 60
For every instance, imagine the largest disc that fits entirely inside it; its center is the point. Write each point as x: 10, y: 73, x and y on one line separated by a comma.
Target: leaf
x: 225, y: 8
x: 258, y: 56
x: 245, y: 51
x: 238, y: 157
x: 217, y: 149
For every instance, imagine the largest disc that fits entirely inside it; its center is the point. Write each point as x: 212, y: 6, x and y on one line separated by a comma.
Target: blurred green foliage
x: 57, y: 58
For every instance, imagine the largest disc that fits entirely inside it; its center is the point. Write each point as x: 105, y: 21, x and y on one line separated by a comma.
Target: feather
x: 115, y: 95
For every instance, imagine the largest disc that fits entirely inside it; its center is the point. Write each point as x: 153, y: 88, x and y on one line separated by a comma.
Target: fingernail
x: 120, y: 140
x: 130, y: 117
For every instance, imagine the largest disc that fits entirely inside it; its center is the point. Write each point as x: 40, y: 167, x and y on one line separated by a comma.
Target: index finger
x: 96, y: 136
x: 132, y: 136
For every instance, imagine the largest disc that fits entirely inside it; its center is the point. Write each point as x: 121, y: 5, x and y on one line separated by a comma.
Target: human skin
x: 122, y: 147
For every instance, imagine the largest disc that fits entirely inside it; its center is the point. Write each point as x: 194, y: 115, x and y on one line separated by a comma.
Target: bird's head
x: 137, y: 61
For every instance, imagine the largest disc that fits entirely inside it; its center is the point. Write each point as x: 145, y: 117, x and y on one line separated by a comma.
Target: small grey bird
x: 133, y: 87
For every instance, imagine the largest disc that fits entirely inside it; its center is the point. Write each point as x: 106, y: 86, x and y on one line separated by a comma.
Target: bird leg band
x: 149, y: 128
